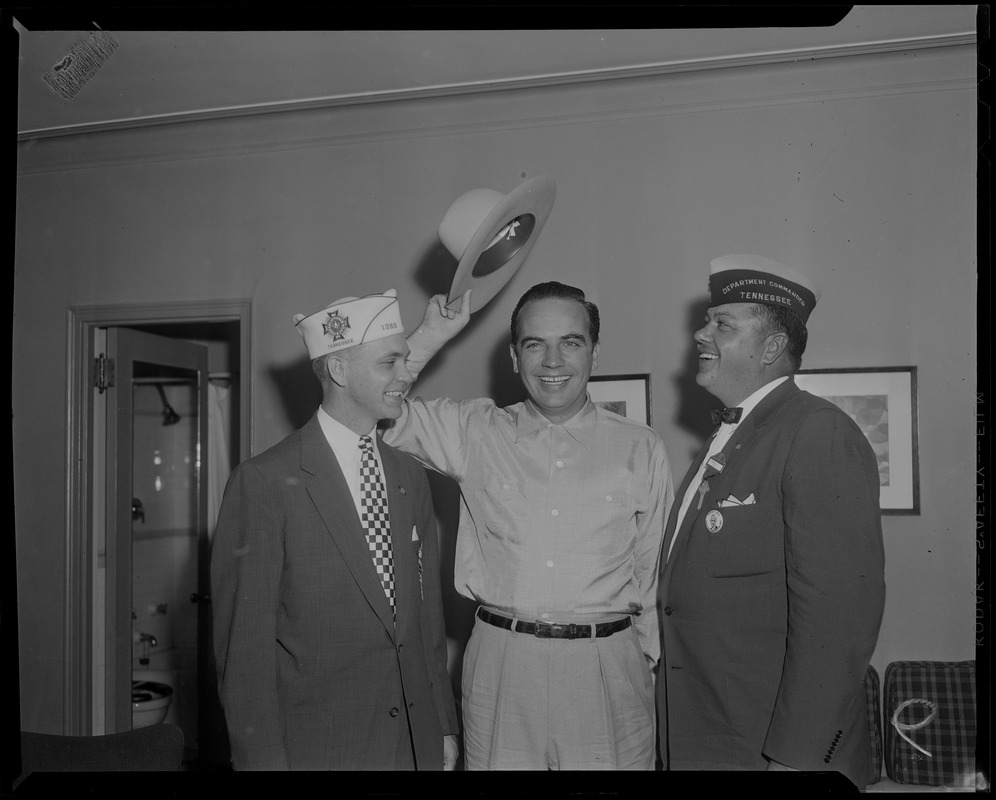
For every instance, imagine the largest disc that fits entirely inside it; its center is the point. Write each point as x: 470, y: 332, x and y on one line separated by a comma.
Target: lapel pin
x: 713, y: 521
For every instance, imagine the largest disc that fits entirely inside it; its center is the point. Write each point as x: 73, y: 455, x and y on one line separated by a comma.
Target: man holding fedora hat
x: 561, y: 522
x: 772, y: 581
x: 328, y: 622
x: 561, y: 519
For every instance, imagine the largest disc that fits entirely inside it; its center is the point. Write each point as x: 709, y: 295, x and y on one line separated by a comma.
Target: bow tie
x: 730, y: 415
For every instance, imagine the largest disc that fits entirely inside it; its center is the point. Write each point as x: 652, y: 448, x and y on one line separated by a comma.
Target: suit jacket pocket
x: 749, y: 541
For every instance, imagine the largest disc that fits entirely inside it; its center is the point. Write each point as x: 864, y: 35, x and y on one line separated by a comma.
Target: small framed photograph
x: 883, y: 402
x: 626, y: 395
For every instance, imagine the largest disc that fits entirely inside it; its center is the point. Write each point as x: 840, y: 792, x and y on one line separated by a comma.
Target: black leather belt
x: 554, y: 630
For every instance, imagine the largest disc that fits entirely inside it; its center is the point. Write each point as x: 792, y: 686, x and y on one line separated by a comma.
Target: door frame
x: 82, y: 322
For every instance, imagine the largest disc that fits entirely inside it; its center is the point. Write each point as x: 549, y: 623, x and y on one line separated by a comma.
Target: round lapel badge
x: 714, y: 521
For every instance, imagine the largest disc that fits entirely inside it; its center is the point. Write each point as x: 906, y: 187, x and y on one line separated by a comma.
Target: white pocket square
x: 732, y: 501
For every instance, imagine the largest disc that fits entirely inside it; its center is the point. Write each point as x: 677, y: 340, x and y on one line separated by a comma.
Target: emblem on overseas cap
x: 336, y: 326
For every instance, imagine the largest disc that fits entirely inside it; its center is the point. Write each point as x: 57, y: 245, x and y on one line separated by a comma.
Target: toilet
x: 150, y: 701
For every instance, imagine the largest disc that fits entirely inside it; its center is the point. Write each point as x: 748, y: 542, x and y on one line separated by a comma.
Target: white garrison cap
x: 349, y: 322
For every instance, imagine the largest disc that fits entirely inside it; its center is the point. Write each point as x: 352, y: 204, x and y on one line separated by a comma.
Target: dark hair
x: 777, y: 319
x: 552, y: 289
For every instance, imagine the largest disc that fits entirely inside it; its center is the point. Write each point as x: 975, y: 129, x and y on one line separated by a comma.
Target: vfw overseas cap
x: 349, y: 322
x: 756, y: 279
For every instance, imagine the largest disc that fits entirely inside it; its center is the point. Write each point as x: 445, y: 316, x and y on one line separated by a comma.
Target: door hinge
x: 103, y: 372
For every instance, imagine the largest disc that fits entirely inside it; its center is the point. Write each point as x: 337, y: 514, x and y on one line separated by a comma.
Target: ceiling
x: 157, y: 70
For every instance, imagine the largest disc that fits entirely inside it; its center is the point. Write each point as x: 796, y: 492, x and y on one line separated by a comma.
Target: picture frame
x: 627, y: 395
x: 883, y: 402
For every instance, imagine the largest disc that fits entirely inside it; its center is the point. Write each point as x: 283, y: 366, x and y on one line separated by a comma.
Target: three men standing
x: 770, y: 580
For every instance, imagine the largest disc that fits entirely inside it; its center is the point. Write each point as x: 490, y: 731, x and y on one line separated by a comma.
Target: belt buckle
x: 556, y: 630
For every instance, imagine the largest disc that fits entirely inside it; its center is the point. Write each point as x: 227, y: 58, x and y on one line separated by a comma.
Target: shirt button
x: 608, y: 497
x: 394, y: 712
x: 555, y: 512
x: 549, y: 563
x: 560, y: 463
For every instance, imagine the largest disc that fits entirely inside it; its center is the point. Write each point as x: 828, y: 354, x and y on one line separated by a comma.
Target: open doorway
x: 143, y: 513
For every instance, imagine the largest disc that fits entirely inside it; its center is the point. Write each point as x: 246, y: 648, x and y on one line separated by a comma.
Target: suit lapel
x: 742, y: 438
x: 328, y: 490
x: 669, y: 531
x: 400, y: 501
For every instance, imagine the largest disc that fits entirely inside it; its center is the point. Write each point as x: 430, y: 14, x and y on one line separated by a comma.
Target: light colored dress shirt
x: 719, y: 439
x: 346, y: 447
x: 558, y: 523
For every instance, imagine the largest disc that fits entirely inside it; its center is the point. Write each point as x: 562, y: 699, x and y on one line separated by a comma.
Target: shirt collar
x: 340, y: 438
x: 751, y: 402
x: 529, y: 420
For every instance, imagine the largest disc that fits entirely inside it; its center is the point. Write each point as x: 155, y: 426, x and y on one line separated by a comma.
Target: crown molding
x: 562, y: 79
x: 865, y: 77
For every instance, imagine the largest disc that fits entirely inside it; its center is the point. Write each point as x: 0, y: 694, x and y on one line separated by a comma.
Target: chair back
x: 155, y: 748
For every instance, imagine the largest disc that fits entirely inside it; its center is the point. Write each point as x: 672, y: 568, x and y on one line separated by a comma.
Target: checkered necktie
x: 374, y: 516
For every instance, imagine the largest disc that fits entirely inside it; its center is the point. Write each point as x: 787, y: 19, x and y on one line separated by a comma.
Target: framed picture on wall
x: 883, y: 402
x: 627, y: 395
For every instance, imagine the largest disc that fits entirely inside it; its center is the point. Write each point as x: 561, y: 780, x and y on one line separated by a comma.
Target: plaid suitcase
x: 930, y: 724
x: 873, y: 700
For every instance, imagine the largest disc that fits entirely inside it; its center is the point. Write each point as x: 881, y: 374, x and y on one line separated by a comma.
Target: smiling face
x: 735, y: 353
x: 554, y: 356
x: 372, y: 381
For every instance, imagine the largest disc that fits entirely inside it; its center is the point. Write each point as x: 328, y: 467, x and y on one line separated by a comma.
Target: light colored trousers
x: 532, y: 703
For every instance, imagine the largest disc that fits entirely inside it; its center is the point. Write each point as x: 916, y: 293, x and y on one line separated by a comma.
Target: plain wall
x: 858, y: 170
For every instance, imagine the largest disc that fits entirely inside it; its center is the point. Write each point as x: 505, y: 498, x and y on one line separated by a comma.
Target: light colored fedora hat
x: 490, y: 234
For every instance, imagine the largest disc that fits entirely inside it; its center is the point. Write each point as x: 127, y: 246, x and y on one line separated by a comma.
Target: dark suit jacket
x: 313, y: 672
x: 770, y: 621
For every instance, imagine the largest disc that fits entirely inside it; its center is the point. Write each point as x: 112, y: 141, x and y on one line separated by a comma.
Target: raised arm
x: 439, y: 325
